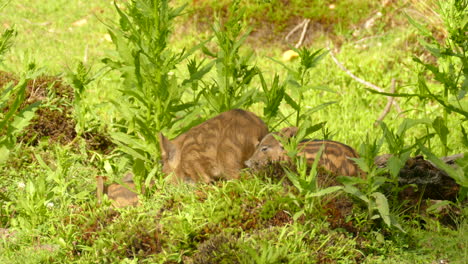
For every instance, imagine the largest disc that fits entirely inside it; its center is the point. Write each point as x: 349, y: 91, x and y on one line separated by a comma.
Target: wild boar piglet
x: 215, y: 149
x: 335, y: 155
x: 121, y: 195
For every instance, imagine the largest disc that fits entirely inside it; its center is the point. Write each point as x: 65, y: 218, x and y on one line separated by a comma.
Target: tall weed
x: 449, y: 84
x: 152, y: 97
x: 368, y: 190
x: 230, y: 86
x: 298, y: 81
x: 13, y: 119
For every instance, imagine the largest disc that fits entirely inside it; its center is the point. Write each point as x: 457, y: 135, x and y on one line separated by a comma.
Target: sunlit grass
x: 57, y: 34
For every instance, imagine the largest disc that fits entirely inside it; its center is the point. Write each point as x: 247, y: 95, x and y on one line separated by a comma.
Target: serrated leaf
x: 325, y: 191
x: 291, y: 102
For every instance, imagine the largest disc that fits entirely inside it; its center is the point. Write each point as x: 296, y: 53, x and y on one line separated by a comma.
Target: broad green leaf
x: 396, y: 224
x: 441, y: 130
x: 200, y: 73
x: 42, y: 163
x: 311, y: 129
x: 394, y: 165
x: 23, y: 118
x: 4, y: 153
x: 356, y: 192
x: 382, y: 206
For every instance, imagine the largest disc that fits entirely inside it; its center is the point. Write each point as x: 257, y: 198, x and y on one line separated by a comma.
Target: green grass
x: 48, y: 36
x: 50, y: 201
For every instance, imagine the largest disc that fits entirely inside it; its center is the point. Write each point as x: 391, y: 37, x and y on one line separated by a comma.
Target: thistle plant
x: 230, y: 86
x: 152, y: 97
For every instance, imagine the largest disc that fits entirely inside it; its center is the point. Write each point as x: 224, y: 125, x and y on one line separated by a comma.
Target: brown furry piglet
x: 121, y: 195
x: 335, y: 155
x: 215, y: 149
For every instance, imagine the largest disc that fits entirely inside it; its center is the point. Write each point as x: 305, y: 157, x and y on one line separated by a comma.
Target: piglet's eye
x: 264, y: 149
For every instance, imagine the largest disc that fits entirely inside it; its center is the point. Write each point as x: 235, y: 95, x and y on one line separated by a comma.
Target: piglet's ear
x: 168, y: 149
x: 288, y: 132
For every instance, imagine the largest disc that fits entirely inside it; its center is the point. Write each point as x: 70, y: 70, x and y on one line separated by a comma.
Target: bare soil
x: 54, y: 118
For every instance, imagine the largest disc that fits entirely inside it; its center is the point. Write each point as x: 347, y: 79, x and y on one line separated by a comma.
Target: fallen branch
x: 296, y: 28
x: 362, y: 81
x: 388, y: 106
x: 304, y: 30
x: 304, y: 25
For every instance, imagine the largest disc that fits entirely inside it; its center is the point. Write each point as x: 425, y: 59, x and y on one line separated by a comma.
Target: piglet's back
x: 335, y: 156
x: 217, y: 148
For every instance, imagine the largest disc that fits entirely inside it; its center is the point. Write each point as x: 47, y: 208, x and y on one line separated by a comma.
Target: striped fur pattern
x: 216, y: 149
x: 335, y: 155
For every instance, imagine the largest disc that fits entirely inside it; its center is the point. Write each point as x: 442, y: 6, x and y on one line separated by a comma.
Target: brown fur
x: 335, y: 155
x: 215, y: 149
x: 121, y: 195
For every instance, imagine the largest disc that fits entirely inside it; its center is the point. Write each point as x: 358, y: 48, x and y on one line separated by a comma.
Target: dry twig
x: 296, y: 28
x: 304, y: 30
x: 304, y: 25
x: 362, y: 81
x: 389, y: 104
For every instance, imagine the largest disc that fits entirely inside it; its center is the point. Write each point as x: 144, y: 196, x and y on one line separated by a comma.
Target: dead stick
x: 364, y: 82
x: 294, y: 30
x: 304, y: 30
x: 388, y: 106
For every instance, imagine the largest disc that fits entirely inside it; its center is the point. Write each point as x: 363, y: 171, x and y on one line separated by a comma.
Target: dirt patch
x: 54, y: 118
x: 98, y: 142
x: 337, y: 211
x: 141, y: 239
